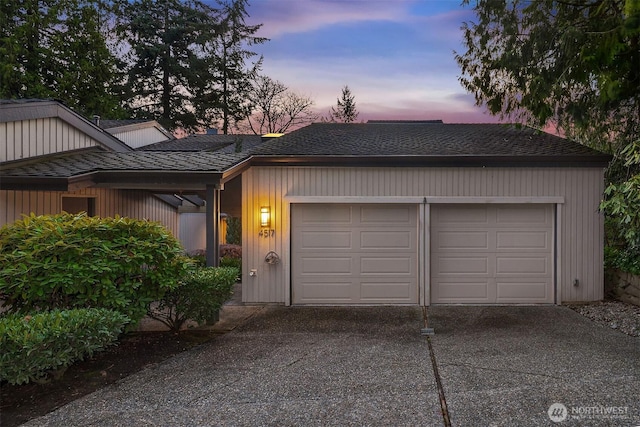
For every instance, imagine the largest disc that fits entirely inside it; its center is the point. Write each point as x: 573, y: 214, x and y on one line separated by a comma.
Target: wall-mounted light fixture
x: 265, y: 216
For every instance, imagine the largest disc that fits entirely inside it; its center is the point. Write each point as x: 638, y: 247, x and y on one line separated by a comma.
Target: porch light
x: 265, y: 216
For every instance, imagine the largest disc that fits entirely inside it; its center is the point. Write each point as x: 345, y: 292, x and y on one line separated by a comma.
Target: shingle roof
x: 205, y: 143
x: 109, y: 124
x: 422, y: 139
x: 69, y: 165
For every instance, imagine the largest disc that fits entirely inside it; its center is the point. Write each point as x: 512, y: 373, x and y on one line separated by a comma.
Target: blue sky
x: 396, y: 56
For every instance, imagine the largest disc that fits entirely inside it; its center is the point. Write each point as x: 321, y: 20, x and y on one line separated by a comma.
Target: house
x: 371, y: 213
x: 422, y: 213
x: 53, y: 160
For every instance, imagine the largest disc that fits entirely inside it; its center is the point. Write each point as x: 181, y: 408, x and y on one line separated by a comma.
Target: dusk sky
x: 396, y: 56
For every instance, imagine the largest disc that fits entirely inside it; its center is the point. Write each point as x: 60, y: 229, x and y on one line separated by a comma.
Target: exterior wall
x: 193, y: 228
x: 140, y: 137
x: 577, y: 192
x: 37, y: 137
x: 128, y: 203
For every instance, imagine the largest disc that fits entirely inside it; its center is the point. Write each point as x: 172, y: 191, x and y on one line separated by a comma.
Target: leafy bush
x: 234, y: 231
x: 231, y: 262
x: 199, y: 297
x: 35, y: 346
x: 75, y: 261
x: 230, y: 251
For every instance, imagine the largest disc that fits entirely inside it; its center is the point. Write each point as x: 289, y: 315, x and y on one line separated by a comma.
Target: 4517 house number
x: 266, y: 233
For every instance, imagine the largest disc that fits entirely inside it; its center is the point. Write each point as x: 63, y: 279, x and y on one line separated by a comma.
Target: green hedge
x: 199, y: 297
x: 75, y: 261
x: 35, y: 346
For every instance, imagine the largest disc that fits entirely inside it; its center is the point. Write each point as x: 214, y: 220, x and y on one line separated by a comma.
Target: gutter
x: 601, y: 161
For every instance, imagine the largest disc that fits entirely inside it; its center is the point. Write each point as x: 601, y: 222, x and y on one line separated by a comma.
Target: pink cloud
x: 295, y: 16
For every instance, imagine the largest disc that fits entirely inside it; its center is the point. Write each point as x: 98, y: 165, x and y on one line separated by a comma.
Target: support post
x: 213, y: 225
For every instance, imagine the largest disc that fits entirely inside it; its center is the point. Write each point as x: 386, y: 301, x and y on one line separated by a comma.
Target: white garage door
x: 354, y: 254
x: 491, y: 254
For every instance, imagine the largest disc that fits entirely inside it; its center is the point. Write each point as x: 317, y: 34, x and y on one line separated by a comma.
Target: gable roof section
x: 126, y: 129
x: 31, y: 109
x: 425, y: 144
x: 149, y: 170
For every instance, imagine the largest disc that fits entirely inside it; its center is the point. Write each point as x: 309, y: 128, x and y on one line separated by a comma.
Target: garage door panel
x: 460, y: 291
x: 454, y: 215
x: 460, y: 265
x: 387, y: 240
x: 527, y: 240
x: 386, y: 266
x: 523, y: 266
x: 402, y: 215
x: 386, y: 292
x: 527, y: 215
x: 325, y: 240
x: 317, y: 291
x: 370, y: 259
x: 516, y: 261
x: 326, y: 214
x: 326, y: 266
x: 522, y: 291
x: 458, y: 240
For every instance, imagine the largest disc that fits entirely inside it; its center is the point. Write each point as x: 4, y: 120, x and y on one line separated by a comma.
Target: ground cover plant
x: 36, y: 347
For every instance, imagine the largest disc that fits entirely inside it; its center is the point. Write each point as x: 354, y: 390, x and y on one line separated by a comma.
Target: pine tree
x: 345, y: 111
x: 229, y: 75
x: 58, y: 49
x: 165, y: 39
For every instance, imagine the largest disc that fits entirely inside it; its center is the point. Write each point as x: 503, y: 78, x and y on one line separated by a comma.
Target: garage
x: 354, y: 254
x: 492, y: 254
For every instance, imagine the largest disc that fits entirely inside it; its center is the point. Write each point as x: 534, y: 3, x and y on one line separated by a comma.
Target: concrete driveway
x: 290, y: 366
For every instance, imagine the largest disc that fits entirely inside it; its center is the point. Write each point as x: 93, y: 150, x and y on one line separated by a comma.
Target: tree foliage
x: 228, y: 81
x: 59, y: 49
x: 574, y: 63
x: 164, y: 39
x: 345, y: 110
x: 276, y: 109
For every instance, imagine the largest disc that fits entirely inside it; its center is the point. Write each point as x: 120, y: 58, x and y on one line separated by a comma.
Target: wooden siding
x: 128, y: 203
x: 580, y: 229
x: 37, y: 137
x: 140, y: 137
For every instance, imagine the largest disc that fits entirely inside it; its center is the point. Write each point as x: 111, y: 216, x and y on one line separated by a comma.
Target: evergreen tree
x: 345, y: 111
x: 165, y: 40
x: 229, y: 77
x: 576, y: 64
x: 58, y: 49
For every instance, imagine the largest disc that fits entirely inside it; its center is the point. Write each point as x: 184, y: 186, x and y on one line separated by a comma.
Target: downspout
x: 213, y: 225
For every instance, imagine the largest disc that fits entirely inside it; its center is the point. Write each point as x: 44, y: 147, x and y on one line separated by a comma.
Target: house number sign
x: 266, y: 233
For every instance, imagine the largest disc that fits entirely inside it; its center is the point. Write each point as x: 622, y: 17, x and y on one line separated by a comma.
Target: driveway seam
x: 444, y: 409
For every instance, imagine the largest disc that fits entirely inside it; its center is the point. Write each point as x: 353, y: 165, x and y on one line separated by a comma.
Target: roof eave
x: 33, y: 183
x: 599, y: 161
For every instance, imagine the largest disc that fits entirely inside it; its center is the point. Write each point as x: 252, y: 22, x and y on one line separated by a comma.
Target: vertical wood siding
x: 581, y: 224
x: 37, y: 137
x: 140, y: 137
x: 128, y: 203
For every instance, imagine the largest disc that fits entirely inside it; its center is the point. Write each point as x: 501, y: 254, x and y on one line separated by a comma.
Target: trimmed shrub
x: 34, y: 347
x: 75, y: 261
x: 199, y: 297
x: 230, y: 251
x: 234, y: 231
